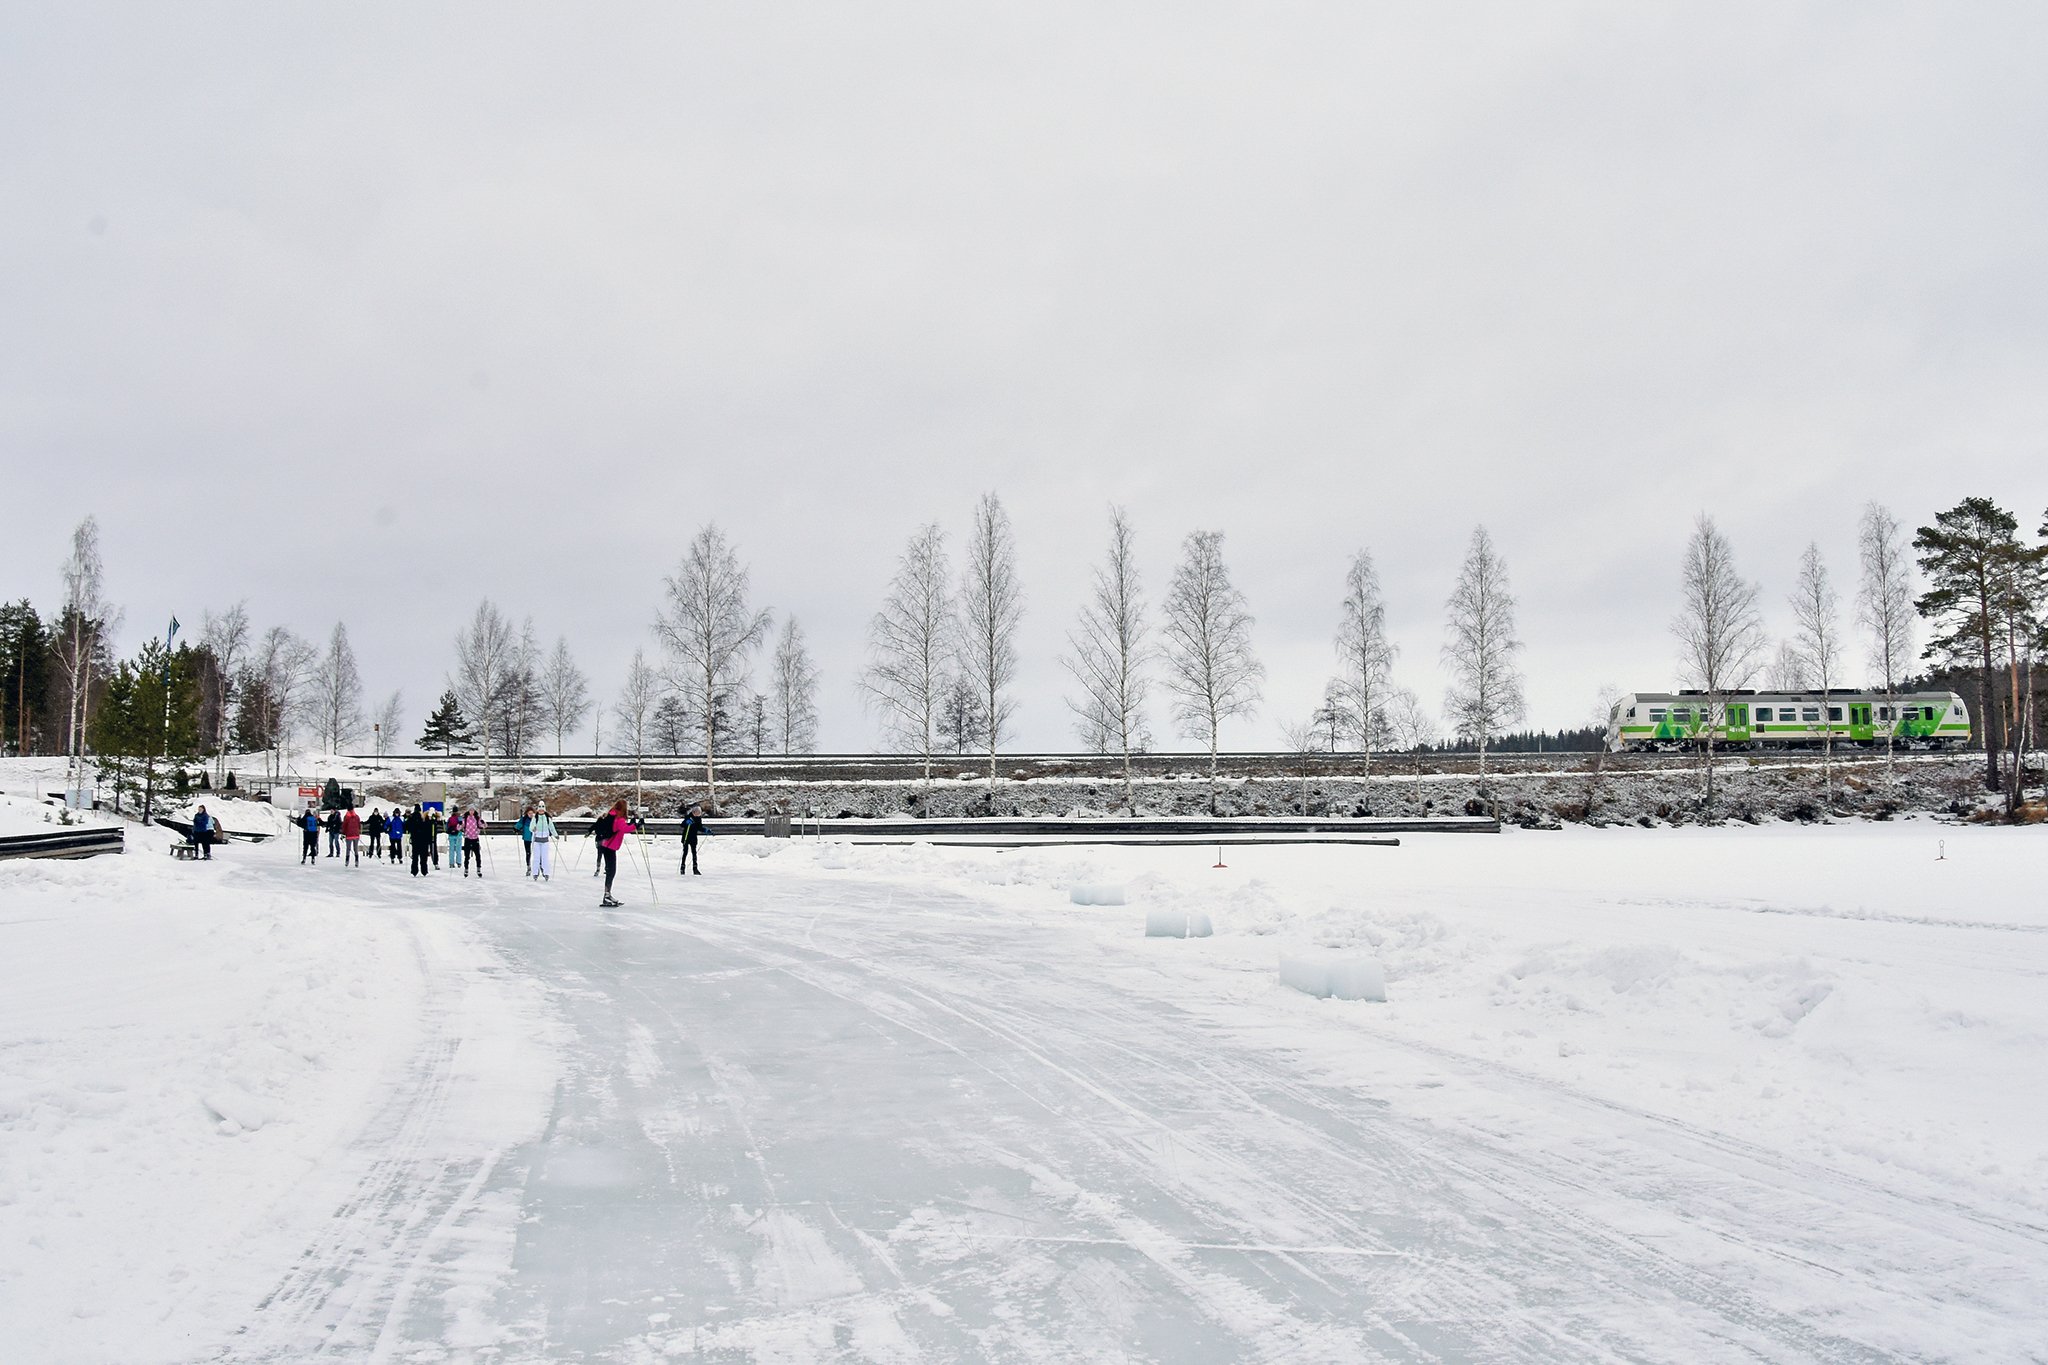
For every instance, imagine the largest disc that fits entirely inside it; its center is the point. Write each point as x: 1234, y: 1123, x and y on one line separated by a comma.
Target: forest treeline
x: 942, y: 658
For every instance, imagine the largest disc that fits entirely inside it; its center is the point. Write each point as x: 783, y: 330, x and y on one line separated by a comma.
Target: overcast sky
x: 364, y: 313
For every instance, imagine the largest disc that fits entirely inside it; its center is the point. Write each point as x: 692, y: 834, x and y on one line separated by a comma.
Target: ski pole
x: 647, y: 865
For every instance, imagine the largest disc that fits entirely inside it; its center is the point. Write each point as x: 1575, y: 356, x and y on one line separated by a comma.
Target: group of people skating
x: 422, y: 829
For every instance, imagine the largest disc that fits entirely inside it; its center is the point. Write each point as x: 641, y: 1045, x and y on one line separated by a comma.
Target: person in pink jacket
x: 611, y: 831
x: 472, y: 843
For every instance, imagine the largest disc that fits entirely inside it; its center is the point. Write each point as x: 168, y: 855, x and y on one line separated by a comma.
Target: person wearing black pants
x: 420, y: 835
x: 611, y: 831
x: 693, y: 825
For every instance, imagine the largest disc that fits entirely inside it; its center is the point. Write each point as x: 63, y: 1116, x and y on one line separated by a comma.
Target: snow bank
x: 1325, y: 976
x: 190, y: 1049
x: 1096, y: 895
x: 1177, y: 924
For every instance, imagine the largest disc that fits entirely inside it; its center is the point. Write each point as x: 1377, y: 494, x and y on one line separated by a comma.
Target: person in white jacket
x: 542, y: 832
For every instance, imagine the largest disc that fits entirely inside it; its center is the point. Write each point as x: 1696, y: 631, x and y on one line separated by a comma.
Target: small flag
x: 174, y: 631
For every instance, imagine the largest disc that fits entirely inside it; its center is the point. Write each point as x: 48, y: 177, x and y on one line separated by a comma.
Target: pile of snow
x: 247, y: 818
x: 1177, y: 924
x: 1325, y: 975
x: 1112, y: 894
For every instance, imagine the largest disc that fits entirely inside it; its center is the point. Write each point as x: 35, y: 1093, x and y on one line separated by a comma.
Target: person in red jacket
x: 352, y: 835
x: 611, y: 831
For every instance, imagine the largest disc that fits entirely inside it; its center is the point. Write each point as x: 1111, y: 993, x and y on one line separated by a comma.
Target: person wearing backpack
x: 202, y: 833
x: 611, y: 831
x: 309, y: 852
x: 540, y: 834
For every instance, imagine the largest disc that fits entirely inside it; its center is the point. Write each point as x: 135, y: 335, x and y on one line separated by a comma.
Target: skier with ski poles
x: 611, y: 831
x: 540, y: 831
x: 472, y: 843
x: 374, y: 827
x: 526, y: 836
x: 455, y: 839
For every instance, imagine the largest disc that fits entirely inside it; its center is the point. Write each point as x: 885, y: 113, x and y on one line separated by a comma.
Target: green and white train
x: 1788, y: 720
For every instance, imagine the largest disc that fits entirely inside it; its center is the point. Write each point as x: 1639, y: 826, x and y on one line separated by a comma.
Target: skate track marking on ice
x: 1177, y: 1144
x: 369, y: 1283
x: 817, y: 1117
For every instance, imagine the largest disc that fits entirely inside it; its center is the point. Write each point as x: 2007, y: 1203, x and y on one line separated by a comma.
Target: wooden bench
x: 184, y: 851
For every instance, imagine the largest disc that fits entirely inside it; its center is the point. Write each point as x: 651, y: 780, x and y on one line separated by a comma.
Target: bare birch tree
x: 709, y: 630
x: 1108, y: 653
x: 523, y: 702
x: 1788, y: 670
x: 1884, y: 607
x: 908, y: 644
x: 564, y: 693
x: 1412, y: 728
x: 634, y: 711
x: 1485, y: 696
x: 793, y: 692
x: 338, y: 693
x: 389, y: 716
x: 1365, y: 656
x: 1304, y: 739
x: 84, y: 621
x: 991, y: 605
x: 1720, y: 635
x: 485, y: 664
x: 1818, y: 637
x: 1211, y: 672
x: 286, y: 666
x: 227, y: 636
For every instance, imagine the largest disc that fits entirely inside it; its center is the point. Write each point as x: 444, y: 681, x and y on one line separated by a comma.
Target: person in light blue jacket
x: 526, y: 836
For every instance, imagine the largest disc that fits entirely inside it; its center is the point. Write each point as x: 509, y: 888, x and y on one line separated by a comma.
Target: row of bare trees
x: 941, y: 655
x: 1723, y: 643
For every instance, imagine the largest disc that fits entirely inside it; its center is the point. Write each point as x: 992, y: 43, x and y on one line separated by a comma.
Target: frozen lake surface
x: 1682, y: 1096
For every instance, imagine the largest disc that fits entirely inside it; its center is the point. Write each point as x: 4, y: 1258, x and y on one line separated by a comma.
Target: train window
x: 1682, y: 714
x: 1809, y: 713
x: 1910, y: 713
x: 1834, y: 713
x: 1631, y: 713
x: 1884, y: 713
x: 1656, y: 713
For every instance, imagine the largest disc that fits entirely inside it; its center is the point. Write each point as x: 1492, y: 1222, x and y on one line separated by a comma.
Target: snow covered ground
x: 1675, y: 1095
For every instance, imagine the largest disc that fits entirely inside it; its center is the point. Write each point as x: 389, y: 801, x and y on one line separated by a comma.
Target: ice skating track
x: 817, y: 1117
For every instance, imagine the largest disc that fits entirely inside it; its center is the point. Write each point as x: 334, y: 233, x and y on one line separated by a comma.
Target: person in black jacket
x: 374, y: 827
x: 693, y: 825
x: 309, y: 852
x: 420, y: 835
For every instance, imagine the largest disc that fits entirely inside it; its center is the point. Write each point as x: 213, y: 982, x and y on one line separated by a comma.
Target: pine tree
x: 25, y: 661
x: 446, y: 729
